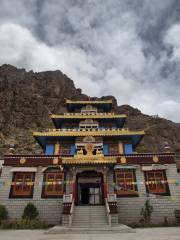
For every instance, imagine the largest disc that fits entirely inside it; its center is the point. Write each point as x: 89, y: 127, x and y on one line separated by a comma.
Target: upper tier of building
x: 60, y: 134
x: 87, y: 114
x: 103, y: 105
x: 89, y: 119
x: 104, y: 119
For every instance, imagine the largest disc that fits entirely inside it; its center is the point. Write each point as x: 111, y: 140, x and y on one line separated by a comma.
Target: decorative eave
x: 56, y: 160
x: 59, y: 119
x: 87, y: 132
x: 32, y: 160
x: 86, y: 116
x: 85, y: 102
x: 147, y: 158
x: 88, y: 160
x: 56, y: 134
x: 105, y: 104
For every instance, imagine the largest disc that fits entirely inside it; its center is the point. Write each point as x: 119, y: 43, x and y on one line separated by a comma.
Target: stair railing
x: 108, y: 212
x: 71, y: 213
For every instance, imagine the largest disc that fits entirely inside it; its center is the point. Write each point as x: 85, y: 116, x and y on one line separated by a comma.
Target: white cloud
x: 169, y: 109
x: 103, y: 46
x: 172, y: 38
x: 20, y: 48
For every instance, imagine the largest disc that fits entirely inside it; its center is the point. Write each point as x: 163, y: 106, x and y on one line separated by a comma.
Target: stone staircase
x: 89, y: 217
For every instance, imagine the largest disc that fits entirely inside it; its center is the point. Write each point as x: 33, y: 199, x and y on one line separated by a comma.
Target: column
x: 57, y: 149
x: 105, y: 183
x: 120, y: 148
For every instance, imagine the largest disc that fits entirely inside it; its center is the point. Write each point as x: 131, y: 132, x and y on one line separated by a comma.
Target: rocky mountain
x: 27, y: 98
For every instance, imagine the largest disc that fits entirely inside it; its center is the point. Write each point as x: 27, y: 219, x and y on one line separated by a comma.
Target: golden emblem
x: 22, y: 160
x: 55, y: 161
x: 155, y: 159
x: 89, y: 148
x: 123, y: 160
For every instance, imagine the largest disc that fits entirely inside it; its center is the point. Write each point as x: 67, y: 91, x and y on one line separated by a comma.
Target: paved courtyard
x: 141, y: 234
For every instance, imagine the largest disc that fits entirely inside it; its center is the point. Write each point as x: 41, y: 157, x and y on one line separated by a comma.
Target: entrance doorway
x: 84, y: 195
x: 89, y: 185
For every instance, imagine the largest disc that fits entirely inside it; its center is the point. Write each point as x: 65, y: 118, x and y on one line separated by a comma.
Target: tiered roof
x: 59, y: 119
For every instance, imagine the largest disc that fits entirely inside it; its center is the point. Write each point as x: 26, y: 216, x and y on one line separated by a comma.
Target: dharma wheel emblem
x: 123, y: 160
x: 22, y: 160
x: 89, y: 148
x: 155, y: 159
x: 55, y: 161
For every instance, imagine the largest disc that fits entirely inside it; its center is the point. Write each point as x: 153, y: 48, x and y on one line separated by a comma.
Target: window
x: 156, y: 182
x: 65, y: 149
x: 49, y: 149
x: 105, y: 149
x: 126, y: 183
x: 23, y: 185
x: 128, y: 148
x: 53, y: 184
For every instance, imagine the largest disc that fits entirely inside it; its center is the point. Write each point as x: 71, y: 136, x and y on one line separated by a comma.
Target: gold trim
x: 155, y: 159
x: 83, y: 116
x: 88, y: 102
x: 120, y: 148
x: 89, y: 160
x: 22, y: 160
x: 55, y: 161
x: 57, y: 149
x: 88, y: 132
x: 123, y: 160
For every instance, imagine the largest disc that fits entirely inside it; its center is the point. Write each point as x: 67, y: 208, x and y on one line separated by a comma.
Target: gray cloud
x: 125, y: 48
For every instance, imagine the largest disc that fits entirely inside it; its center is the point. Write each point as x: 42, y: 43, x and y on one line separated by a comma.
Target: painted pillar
x: 57, y: 149
x: 105, y: 184
x: 120, y: 148
x: 74, y: 185
x: 74, y: 189
x: 105, y: 190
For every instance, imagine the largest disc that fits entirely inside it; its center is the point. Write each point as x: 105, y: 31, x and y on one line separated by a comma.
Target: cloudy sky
x: 126, y: 48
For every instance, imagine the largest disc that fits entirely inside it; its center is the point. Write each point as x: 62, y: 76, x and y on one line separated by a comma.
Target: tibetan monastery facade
x: 90, y: 159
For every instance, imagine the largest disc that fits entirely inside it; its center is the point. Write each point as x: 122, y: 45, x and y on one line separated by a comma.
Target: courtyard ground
x: 171, y: 233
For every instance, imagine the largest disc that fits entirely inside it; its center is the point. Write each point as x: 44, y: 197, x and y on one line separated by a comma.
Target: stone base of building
x: 129, y: 208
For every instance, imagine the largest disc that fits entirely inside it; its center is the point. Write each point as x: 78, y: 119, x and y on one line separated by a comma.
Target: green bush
x: 166, y: 222
x: 23, y: 224
x: 177, y: 215
x: 30, y: 212
x: 146, y: 213
x: 3, y: 213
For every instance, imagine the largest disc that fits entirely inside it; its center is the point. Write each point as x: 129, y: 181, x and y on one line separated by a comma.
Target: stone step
x: 89, y: 222
x: 89, y: 217
x: 89, y: 230
x: 77, y: 211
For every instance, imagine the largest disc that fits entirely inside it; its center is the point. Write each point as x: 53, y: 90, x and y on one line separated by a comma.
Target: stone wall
x: 129, y: 208
x: 49, y: 209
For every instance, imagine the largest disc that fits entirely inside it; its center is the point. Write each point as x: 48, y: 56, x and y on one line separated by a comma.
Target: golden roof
x: 88, y: 101
x: 89, y: 160
x: 88, y: 132
x: 85, y: 116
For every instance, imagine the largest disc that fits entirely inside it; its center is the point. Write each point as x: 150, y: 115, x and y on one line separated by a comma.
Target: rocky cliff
x: 27, y: 98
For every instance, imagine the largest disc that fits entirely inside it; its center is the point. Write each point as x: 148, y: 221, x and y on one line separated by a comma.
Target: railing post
x: 108, y: 212
x: 71, y: 213
x: 68, y: 199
